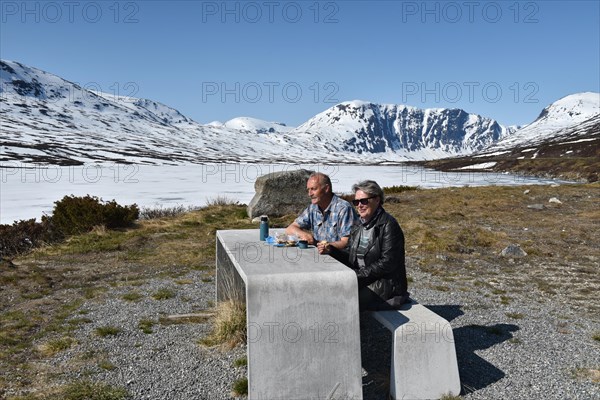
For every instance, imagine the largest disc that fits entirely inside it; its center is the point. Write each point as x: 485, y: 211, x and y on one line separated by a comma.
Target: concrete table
x: 302, y: 318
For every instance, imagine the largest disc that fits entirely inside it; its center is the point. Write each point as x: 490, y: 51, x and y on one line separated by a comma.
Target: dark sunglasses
x: 364, y: 201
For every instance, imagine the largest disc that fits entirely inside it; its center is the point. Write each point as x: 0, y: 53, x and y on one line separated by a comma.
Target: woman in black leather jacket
x: 375, y: 251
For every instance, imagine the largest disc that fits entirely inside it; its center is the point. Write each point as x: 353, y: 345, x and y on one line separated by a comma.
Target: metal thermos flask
x: 264, y: 228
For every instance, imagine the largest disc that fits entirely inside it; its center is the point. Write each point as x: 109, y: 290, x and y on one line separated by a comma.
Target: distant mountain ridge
x: 359, y: 127
x: 46, y: 119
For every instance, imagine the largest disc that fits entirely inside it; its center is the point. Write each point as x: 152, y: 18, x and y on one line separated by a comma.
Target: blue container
x: 264, y: 228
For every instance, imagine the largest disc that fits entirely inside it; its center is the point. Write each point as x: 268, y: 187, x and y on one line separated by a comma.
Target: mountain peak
x: 47, y: 119
x: 579, y: 106
x: 361, y: 126
x: 570, y: 111
x: 256, y: 125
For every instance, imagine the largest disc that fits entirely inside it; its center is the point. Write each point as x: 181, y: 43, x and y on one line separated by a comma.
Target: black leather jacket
x: 384, y: 271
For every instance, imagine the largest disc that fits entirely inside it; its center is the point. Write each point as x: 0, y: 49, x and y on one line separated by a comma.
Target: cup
x: 303, y: 244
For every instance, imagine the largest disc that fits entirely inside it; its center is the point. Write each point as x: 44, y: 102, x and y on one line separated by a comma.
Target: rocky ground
x: 533, y: 348
x: 525, y: 327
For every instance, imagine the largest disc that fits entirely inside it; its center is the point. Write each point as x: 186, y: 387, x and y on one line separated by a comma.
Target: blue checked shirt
x: 332, y: 224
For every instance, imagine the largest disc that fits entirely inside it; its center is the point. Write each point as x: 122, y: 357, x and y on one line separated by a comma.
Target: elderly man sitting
x: 327, y: 219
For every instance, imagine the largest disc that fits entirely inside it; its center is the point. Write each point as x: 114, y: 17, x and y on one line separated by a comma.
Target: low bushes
x: 71, y: 215
x: 75, y: 215
x: 25, y: 235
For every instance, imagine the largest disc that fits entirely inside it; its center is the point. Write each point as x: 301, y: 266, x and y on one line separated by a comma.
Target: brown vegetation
x: 454, y: 233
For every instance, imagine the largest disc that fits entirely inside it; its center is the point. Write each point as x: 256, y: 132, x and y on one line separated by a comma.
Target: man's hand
x: 308, y: 237
x: 294, y: 229
x: 323, y: 247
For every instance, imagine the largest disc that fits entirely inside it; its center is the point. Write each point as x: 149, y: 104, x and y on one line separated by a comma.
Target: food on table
x: 281, y: 238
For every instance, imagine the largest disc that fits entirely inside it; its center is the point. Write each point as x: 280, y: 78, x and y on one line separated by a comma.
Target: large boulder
x: 279, y: 193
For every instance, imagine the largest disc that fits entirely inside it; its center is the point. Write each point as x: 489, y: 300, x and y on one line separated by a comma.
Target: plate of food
x: 282, y: 240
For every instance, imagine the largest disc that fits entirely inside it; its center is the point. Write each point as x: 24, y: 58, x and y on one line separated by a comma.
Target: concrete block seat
x: 424, y: 364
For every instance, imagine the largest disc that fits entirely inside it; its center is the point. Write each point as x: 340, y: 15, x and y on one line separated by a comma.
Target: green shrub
x: 71, y: 215
x: 74, y: 215
x: 24, y: 235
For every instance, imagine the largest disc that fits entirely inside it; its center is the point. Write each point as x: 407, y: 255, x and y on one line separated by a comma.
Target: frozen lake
x: 30, y: 192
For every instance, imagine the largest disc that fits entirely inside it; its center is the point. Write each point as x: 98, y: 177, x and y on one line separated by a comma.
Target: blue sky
x: 289, y: 60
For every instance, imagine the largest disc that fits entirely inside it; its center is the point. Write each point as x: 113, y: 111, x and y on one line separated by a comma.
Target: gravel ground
x: 165, y: 364
x: 534, y: 352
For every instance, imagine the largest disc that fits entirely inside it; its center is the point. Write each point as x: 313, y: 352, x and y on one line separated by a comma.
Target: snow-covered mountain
x: 361, y: 127
x: 564, y: 142
x: 46, y: 119
x: 256, y: 125
x: 560, y: 120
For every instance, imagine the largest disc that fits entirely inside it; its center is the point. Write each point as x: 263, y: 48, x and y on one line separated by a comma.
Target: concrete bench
x: 424, y: 362
x: 303, y: 331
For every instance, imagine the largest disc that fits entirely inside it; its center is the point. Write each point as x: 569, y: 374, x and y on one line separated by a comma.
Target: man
x: 328, y: 217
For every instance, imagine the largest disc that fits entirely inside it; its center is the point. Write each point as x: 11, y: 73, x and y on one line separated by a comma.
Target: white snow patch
x: 581, y: 140
x: 485, y: 165
x: 496, y: 153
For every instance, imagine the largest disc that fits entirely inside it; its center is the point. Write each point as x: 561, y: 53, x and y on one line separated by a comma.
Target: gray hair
x: 369, y: 187
x: 322, y: 179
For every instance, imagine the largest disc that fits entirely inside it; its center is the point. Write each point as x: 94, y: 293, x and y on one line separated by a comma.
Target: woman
x: 375, y: 251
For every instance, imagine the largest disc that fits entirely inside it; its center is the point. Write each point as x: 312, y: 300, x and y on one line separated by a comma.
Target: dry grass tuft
x: 55, y: 346
x: 450, y: 397
x: 221, y: 201
x: 105, y: 331
x: 591, y: 374
x: 240, y: 387
x: 229, y: 329
x: 87, y: 390
x: 163, y: 294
